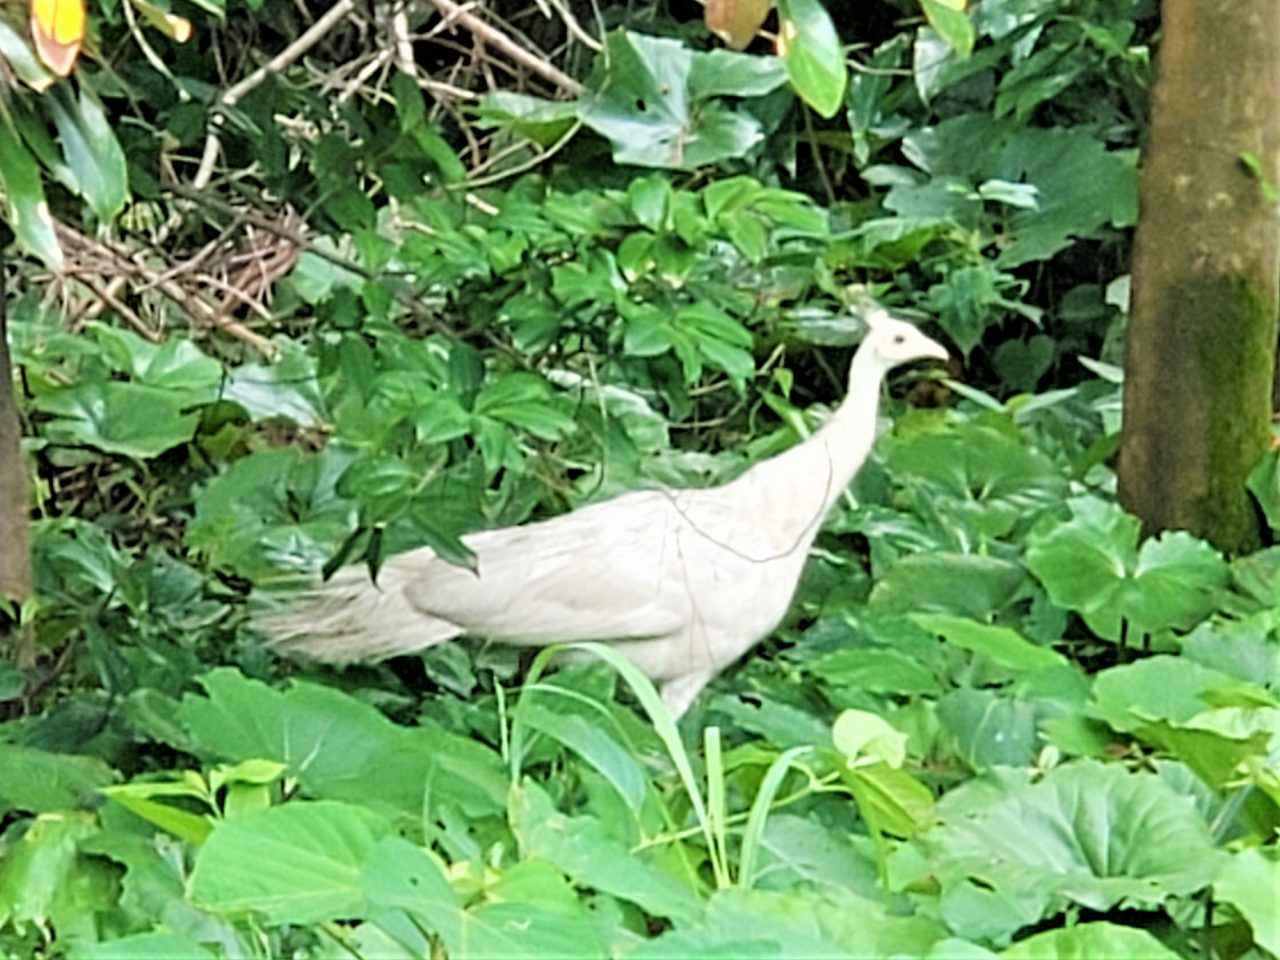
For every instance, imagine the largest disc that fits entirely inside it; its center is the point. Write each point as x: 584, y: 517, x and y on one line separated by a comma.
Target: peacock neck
x: 800, y: 486
x: 842, y: 444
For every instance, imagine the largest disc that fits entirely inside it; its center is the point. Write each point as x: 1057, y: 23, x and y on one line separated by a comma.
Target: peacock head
x: 891, y: 342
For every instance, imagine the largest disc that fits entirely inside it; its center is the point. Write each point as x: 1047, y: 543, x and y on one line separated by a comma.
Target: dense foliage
x: 995, y: 722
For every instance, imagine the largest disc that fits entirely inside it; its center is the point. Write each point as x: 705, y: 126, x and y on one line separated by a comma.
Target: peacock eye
x: 899, y: 339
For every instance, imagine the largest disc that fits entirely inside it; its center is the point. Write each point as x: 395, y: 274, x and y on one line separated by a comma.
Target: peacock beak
x: 934, y: 351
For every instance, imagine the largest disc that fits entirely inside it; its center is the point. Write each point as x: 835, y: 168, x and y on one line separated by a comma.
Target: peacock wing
x: 602, y: 572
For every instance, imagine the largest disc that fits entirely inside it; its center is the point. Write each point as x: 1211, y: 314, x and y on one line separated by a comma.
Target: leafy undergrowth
x: 996, y: 723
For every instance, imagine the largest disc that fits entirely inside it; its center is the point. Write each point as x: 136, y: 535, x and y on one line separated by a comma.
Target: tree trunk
x: 15, y: 511
x: 1206, y: 274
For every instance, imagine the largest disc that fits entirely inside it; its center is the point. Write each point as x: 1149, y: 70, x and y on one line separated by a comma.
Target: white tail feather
x: 349, y: 618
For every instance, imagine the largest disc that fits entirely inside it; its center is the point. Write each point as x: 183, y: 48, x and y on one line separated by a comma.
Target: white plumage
x: 682, y: 582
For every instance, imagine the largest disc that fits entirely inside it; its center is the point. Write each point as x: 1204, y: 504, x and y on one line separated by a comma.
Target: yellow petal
x: 57, y: 30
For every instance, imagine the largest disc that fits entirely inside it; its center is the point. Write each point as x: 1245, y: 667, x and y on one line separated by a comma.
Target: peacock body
x: 682, y: 582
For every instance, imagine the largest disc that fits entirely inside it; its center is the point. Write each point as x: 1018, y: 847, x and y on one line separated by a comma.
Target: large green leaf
x: 124, y: 418
x: 875, y: 671
x: 1092, y: 564
x: 286, y: 389
x: 648, y: 109
x: 969, y: 584
x: 1082, y: 187
x: 297, y: 863
x: 340, y: 748
x: 176, y: 364
x: 526, y: 401
x: 148, y: 946
x: 796, y: 923
x: 542, y: 121
x: 273, y: 511
x: 41, y: 782
x: 530, y: 919
x: 1250, y: 882
x: 1011, y: 853
x: 989, y: 729
x: 589, y: 741
x: 1090, y: 941
x: 1206, y: 718
x: 41, y: 870
x: 799, y: 851
x: 1174, y: 689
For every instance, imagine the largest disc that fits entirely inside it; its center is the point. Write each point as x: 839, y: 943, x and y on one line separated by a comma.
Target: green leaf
x: 858, y: 734
x: 1022, y: 363
x: 297, y: 863
x: 272, y: 511
x: 725, y: 73
x: 979, y: 478
x: 645, y: 107
x: 177, y: 364
x: 648, y: 335
x: 989, y: 729
x: 147, y: 946
x: 286, y: 389
x: 26, y: 210
x: 40, y: 782
x: 139, y: 797
x: 316, y: 278
x: 123, y: 418
x: 585, y: 849
x: 542, y: 121
x: 720, y: 339
x: 12, y: 682
x: 1083, y: 187
x: 1039, y: 78
x: 969, y: 300
x: 40, y: 870
x: 1170, y: 688
x: 1005, y: 646
x: 340, y: 748
x: 411, y: 108
x: 1264, y: 484
x: 1249, y: 883
x: 797, y: 851
x: 948, y: 19
x: 891, y: 801
x: 811, y: 49
x: 796, y: 923
x: 528, y: 402
x: 1092, y: 564
x: 524, y: 922
x: 590, y: 742
x: 92, y: 152
x: 1173, y: 703
x: 17, y: 51
x: 650, y: 200
x: 1011, y: 853
x: 875, y: 671
x: 436, y: 148
x: 967, y: 584
x: 1090, y: 941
